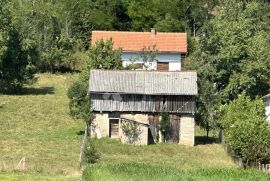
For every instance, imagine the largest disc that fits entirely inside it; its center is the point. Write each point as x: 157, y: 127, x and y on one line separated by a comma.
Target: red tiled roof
x: 136, y: 41
x: 266, y: 96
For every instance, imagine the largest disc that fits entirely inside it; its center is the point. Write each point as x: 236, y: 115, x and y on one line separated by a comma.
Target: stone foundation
x: 101, y: 127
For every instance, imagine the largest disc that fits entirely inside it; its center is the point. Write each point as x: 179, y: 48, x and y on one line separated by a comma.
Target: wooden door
x: 114, y: 128
x: 163, y: 66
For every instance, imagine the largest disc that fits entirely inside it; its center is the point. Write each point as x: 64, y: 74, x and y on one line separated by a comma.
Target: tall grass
x: 140, y: 171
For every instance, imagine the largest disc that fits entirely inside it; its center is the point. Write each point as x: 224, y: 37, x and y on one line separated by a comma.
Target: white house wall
x: 174, y: 60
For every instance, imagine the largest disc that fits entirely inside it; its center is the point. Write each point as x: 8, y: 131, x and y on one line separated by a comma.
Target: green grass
x: 140, y: 171
x: 160, y: 162
x: 36, y: 125
x: 180, y: 156
x: 19, y: 176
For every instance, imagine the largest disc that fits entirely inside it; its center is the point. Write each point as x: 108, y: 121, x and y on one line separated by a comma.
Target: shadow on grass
x: 203, y: 140
x: 30, y: 91
x: 80, y: 133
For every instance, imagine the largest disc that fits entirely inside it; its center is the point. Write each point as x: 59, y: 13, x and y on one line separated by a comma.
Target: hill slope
x: 37, y: 126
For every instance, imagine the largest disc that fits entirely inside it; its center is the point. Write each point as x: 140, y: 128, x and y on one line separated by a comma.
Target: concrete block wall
x: 100, y: 125
x: 187, y: 130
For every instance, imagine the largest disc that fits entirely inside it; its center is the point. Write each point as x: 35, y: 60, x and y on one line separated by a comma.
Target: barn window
x: 113, y: 115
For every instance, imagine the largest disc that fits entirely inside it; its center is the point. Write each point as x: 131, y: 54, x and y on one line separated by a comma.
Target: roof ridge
x: 119, y: 70
x: 144, y: 32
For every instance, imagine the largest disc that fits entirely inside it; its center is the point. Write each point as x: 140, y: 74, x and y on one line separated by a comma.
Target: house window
x: 164, y: 66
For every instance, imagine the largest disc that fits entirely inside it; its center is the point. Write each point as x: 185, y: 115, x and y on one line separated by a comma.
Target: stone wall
x: 142, y: 139
x: 187, y: 129
x: 100, y: 125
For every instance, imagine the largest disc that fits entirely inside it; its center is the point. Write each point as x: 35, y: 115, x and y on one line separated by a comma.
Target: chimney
x: 153, y: 32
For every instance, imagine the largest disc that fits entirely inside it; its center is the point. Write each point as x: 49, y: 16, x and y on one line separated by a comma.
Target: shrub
x: 246, y: 129
x: 132, y: 131
x: 91, y: 155
x: 164, y: 123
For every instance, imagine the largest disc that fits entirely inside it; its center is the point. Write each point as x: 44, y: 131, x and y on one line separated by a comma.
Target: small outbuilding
x: 120, y: 96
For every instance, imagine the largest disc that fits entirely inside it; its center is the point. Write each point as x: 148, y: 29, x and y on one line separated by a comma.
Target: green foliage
x: 164, y: 123
x: 148, y: 56
x: 131, y: 130
x: 233, y: 52
x: 91, y: 155
x: 141, y: 171
x: 79, y: 103
x: 207, y: 106
x: 246, y: 129
x: 102, y: 56
x: 175, y: 15
x: 17, y: 59
x: 231, y: 56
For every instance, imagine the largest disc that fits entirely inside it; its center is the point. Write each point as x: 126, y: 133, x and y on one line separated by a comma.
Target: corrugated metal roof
x: 143, y: 82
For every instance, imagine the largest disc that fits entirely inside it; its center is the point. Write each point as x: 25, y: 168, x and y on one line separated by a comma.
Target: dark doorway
x: 114, y: 128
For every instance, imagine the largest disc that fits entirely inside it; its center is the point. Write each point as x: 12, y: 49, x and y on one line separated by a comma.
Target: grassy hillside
x: 36, y: 125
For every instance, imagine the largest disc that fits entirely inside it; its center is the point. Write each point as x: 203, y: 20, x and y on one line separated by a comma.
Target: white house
x: 171, y: 47
x: 267, y: 108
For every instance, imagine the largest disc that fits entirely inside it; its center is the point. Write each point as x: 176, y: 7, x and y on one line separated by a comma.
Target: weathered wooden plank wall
x: 142, y: 103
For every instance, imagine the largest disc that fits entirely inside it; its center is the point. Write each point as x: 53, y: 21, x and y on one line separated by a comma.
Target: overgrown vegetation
x: 246, y: 129
x: 140, y: 171
x: 131, y: 130
x: 159, y: 161
x: 231, y: 56
x: 101, y: 56
x: 91, y: 155
x: 164, y: 124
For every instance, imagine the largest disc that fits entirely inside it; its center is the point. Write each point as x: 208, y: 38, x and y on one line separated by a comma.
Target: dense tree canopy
x: 17, y: 65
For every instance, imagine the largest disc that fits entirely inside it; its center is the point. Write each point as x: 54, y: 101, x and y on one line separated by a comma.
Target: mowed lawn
x: 36, y: 125
x: 165, y: 162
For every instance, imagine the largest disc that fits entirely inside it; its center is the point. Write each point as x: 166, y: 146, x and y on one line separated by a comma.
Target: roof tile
x: 136, y: 41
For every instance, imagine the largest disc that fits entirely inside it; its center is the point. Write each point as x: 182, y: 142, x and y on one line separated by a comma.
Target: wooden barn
x: 118, y: 96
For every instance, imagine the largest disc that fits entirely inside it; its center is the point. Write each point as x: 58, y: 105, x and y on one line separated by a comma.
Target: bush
x: 132, y: 131
x: 91, y: 155
x: 164, y: 123
x: 246, y: 129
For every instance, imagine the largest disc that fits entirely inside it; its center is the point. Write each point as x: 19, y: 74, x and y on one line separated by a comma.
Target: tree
x: 17, y: 57
x: 100, y: 56
x: 246, y: 129
x: 208, y: 104
x: 232, y: 55
x: 233, y: 51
